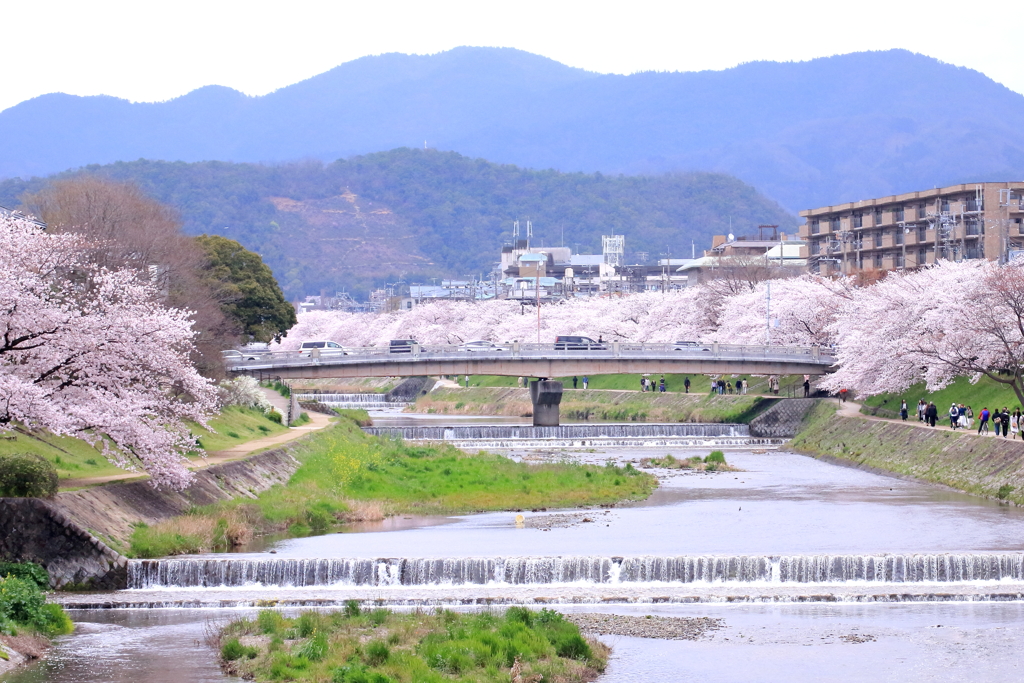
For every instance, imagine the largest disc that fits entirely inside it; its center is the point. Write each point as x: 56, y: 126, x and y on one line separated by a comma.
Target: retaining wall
x: 783, y: 419
x: 71, y: 534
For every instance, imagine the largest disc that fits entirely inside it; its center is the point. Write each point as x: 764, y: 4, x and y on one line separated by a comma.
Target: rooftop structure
x: 970, y: 221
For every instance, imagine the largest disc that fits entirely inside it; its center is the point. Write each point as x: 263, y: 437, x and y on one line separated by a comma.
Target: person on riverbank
x: 954, y: 416
x: 970, y: 417
x: 586, y: 381
x: 903, y: 410
x: 997, y: 421
x: 574, y: 380
x: 921, y: 407
x: 962, y: 419
x: 686, y: 385
x: 661, y: 385
x: 842, y: 395
x: 1005, y: 415
x: 807, y: 388
x: 746, y: 383
x: 983, y: 424
x: 931, y: 414
x: 1015, y: 423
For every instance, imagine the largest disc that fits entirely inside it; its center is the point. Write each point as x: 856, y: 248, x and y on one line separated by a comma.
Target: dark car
x: 401, y: 345
x: 566, y: 343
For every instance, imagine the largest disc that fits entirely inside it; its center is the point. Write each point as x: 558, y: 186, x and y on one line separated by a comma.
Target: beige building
x: 971, y: 221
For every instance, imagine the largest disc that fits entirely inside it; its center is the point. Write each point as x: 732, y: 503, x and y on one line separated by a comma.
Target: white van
x: 325, y: 348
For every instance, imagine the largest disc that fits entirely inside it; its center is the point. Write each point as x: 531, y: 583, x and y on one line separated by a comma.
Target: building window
x: 835, y: 224
x: 815, y: 227
x: 897, y: 214
x: 899, y: 261
x: 972, y: 226
x: 922, y: 257
x: 878, y: 216
x: 815, y: 248
x: 922, y: 233
x: 858, y: 220
x: 974, y: 205
x: 878, y: 238
x: 878, y: 260
x: 945, y: 206
x: 898, y: 235
x: 922, y: 211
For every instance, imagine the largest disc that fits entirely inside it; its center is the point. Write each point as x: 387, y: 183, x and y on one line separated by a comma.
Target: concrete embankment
x: 981, y: 465
x: 594, y: 404
x: 72, y: 534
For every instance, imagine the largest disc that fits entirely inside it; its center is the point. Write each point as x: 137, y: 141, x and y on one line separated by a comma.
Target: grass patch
x: 380, y: 646
x: 986, y: 393
x: 347, y: 476
x: 236, y: 425
x: 713, y: 462
x: 23, y: 606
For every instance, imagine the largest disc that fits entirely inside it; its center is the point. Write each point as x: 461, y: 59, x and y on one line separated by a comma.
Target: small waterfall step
x: 592, y: 569
x: 564, y: 432
x: 364, y: 401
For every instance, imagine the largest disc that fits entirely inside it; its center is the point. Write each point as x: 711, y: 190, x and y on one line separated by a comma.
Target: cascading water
x: 567, y: 432
x: 363, y: 401
x: 940, y: 568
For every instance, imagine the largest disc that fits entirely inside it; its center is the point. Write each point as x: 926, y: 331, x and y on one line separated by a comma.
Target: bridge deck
x: 543, y: 360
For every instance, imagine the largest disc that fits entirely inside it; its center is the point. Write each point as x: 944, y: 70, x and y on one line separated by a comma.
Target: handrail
x: 824, y: 356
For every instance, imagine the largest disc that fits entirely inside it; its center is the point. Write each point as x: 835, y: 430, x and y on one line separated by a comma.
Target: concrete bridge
x: 542, y: 361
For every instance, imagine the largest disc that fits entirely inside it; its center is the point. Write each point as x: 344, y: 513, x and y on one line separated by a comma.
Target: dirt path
x: 317, y: 421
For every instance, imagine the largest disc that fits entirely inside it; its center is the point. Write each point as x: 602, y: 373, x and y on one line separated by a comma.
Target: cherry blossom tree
x: 934, y: 325
x: 91, y: 352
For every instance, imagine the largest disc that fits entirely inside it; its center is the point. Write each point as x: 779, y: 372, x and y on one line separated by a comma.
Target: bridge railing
x: 521, y: 351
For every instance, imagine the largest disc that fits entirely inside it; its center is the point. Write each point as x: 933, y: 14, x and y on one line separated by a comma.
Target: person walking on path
x: 997, y: 421
x: 661, y: 385
x: 574, y: 381
x: 745, y: 382
x: 842, y: 395
x: 807, y: 389
x: 921, y: 405
x: 903, y: 410
x: 954, y: 416
x: 586, y: 381
x: 962, y: 416
x: 983, y: 421
x: 931, y: 414
x: 686, y: 385
x: 1015, y: 423
x: 970, y: 417
x: 1005, y: 415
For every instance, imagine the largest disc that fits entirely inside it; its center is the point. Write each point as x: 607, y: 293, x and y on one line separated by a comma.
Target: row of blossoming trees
x: 928, y: 325
x: 92, y: 352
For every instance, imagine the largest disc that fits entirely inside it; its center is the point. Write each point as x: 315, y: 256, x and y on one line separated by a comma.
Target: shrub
x: 26, y: 475
x: 269, y: 622
x: 28, y: 571
x: 232, y: 650
x: 377, y: 652
x: 314, y: 649
x: 22, y: 603
x: 1004, y: 492
x: 352, y: 609
x: 275, y: 416
x: 716, y: 456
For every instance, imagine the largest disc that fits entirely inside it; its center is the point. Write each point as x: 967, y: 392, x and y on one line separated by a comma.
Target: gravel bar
x: 663, y: 628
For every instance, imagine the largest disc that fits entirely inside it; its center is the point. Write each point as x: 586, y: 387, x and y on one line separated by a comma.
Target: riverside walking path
x: 317, y: 421
x: 851, y: 409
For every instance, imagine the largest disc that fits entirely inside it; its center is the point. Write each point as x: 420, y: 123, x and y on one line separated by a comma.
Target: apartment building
x: 971, y: 221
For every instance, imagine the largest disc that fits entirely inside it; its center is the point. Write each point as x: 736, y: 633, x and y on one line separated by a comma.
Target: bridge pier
x: 546, y: 395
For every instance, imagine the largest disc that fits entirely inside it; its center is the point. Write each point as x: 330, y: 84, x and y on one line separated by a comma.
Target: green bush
x: 314, y: 649
x: 377, y: 652
x: 269, y: 622
x: 275, y: 416
x: 26, y: 570
x: 26, y: 475
x: 22, y: 603
x: 232, y: 650
x: 1004, y: 492
x: 716, y: 456
x: 352, y: 609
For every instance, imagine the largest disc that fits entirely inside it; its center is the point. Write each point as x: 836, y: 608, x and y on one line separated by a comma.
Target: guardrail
x: 519, y: 351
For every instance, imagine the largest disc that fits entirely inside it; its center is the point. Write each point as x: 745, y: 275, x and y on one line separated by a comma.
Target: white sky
x: 152, y: 50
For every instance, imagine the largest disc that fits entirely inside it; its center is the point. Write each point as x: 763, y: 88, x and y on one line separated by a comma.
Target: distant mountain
x: 807, y: 134
x: 416, y: 213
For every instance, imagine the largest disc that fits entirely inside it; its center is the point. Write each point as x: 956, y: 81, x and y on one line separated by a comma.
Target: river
x: 819, y: 571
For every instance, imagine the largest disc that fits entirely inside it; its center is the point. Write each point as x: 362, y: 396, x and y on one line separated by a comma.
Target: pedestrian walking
x: 586, y: 381
x: 467, y: 381
x: 1015, y: 423
x: 745, y: 383
x: 728, y: 387
x: 931, y: 414
x: 1005, y: 415
x: 962, y: 418
x: 903, y: 410
x: 983, y: 421
x: 954, y: 416
x: 807, y: 386
x: 661, y: 385
x: 921, y: 406
x: 686, y: 385
x: 643, y: 384
x: 997, y: 421
x: 970, y: 417
x: 574, y: 381
x: 842, y: 395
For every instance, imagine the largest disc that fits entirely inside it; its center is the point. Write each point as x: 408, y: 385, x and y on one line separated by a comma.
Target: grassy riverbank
x: 347, y: 476
x: 380, y: 646
x: 981, y: 465
x: 984, y: 393
x: 594, y: 404
x: 27, y: 621
x: 76, y: 459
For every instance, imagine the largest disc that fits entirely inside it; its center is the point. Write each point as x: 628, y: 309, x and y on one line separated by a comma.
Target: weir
x: 591, y: 569
x: 565, y: 432
x: 360, y: 401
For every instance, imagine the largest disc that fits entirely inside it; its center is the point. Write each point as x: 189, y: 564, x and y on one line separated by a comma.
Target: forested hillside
x: 360, y: 222
x: 807, y: 134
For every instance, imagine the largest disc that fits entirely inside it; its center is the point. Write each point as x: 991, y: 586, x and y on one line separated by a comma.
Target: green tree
x: 247, y: 286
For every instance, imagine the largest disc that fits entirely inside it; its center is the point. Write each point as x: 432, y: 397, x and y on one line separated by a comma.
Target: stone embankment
x: 72, y: 534
x: 981, y: 465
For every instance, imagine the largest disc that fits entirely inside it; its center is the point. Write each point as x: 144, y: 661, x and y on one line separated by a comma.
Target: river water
x: 819, y: 571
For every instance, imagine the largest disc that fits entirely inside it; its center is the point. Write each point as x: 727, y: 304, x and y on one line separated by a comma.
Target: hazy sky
x: 150, y: 50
